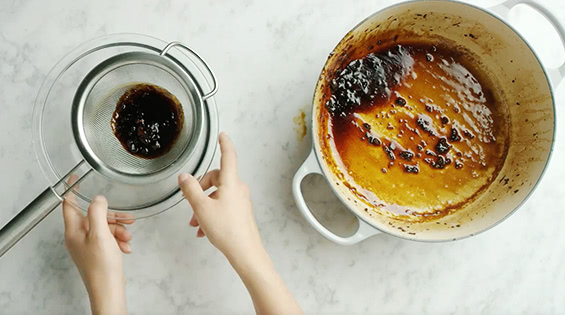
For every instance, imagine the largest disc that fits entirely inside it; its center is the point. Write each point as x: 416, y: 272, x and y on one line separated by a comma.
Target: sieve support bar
x: 214, y: 81
x: 35, y: 212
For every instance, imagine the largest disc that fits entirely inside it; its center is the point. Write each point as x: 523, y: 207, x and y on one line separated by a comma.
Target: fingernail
x: 99, y: 198
x: 128, y: 248
x: 183, y: 177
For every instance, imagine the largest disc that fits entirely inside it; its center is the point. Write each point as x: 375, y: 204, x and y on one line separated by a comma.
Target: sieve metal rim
x: 90, y: 80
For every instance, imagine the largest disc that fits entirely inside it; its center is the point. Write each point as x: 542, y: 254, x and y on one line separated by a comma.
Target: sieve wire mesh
x: 101, y: 103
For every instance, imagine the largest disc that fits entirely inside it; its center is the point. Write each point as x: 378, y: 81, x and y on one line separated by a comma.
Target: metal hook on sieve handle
x: 173, y: 44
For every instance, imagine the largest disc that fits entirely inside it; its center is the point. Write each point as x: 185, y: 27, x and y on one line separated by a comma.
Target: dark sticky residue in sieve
x: 147, y: 120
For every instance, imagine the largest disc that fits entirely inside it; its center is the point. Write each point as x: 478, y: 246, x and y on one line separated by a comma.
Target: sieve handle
x: 173, y: 44
x: 35, y: 212
x: 28, y: 218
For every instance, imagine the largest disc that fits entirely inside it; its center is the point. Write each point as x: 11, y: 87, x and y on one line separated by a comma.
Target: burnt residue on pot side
x: 368, y: 80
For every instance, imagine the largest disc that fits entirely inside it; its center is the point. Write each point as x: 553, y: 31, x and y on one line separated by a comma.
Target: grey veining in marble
x: 267, y: 55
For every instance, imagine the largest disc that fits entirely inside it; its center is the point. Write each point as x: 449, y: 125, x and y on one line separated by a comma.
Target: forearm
x: 268, y: 291
x: 107, y: 299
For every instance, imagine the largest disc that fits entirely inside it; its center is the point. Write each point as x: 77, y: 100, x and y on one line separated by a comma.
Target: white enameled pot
x: 527, y: 85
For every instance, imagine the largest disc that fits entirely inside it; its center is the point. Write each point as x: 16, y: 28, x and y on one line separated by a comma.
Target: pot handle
x: 556, y: 75
x: 311, y: 166
x: 192, y: 52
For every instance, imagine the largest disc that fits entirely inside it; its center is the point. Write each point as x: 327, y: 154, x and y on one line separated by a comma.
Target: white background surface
x: 267, y: 55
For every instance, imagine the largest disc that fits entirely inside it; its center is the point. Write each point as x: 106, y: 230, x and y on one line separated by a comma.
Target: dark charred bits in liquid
x: 406, y: 155
x: 400, y: 101
x: 367, y: 80
x: 411, y: 169
x: 444, y: 120
x: 424, y: 122
x: 147, y: 120
x: 442, y: 146
x: 439, y: 163
x: 374, y: 141
x: 389, y: 152
x: 430, y: 153
x: 454, y: 136
x: 468, y: 134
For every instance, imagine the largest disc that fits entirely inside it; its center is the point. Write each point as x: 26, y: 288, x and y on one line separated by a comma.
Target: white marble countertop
x: 267, y: 55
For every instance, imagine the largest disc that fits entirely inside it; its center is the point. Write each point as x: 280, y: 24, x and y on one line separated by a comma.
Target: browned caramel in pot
x: 414, y: 130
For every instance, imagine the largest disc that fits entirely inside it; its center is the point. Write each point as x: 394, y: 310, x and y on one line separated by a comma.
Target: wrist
x: 243, y: 252
x: 107, y: 297
x: 251, y: 260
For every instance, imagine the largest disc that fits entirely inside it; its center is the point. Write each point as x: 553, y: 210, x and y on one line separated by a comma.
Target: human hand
x: 95, y: 244
x: 226, y: 215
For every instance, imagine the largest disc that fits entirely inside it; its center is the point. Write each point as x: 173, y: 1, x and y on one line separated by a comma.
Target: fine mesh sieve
x: 95, y: 102
x: 98, y: 112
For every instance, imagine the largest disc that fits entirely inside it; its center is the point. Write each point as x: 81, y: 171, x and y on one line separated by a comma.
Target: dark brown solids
x: 147, y: 120
x: 414, y: 129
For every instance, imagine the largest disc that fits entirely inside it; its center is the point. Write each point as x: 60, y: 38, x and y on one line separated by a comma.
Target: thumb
x: 97, y: 214
x: 192, y: 190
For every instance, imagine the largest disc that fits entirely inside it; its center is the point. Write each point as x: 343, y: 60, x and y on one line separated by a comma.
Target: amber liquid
x: 424, y: 139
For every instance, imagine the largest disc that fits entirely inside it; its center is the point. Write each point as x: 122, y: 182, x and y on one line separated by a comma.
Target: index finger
x: 120, y: 217
x: 228, y: 162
